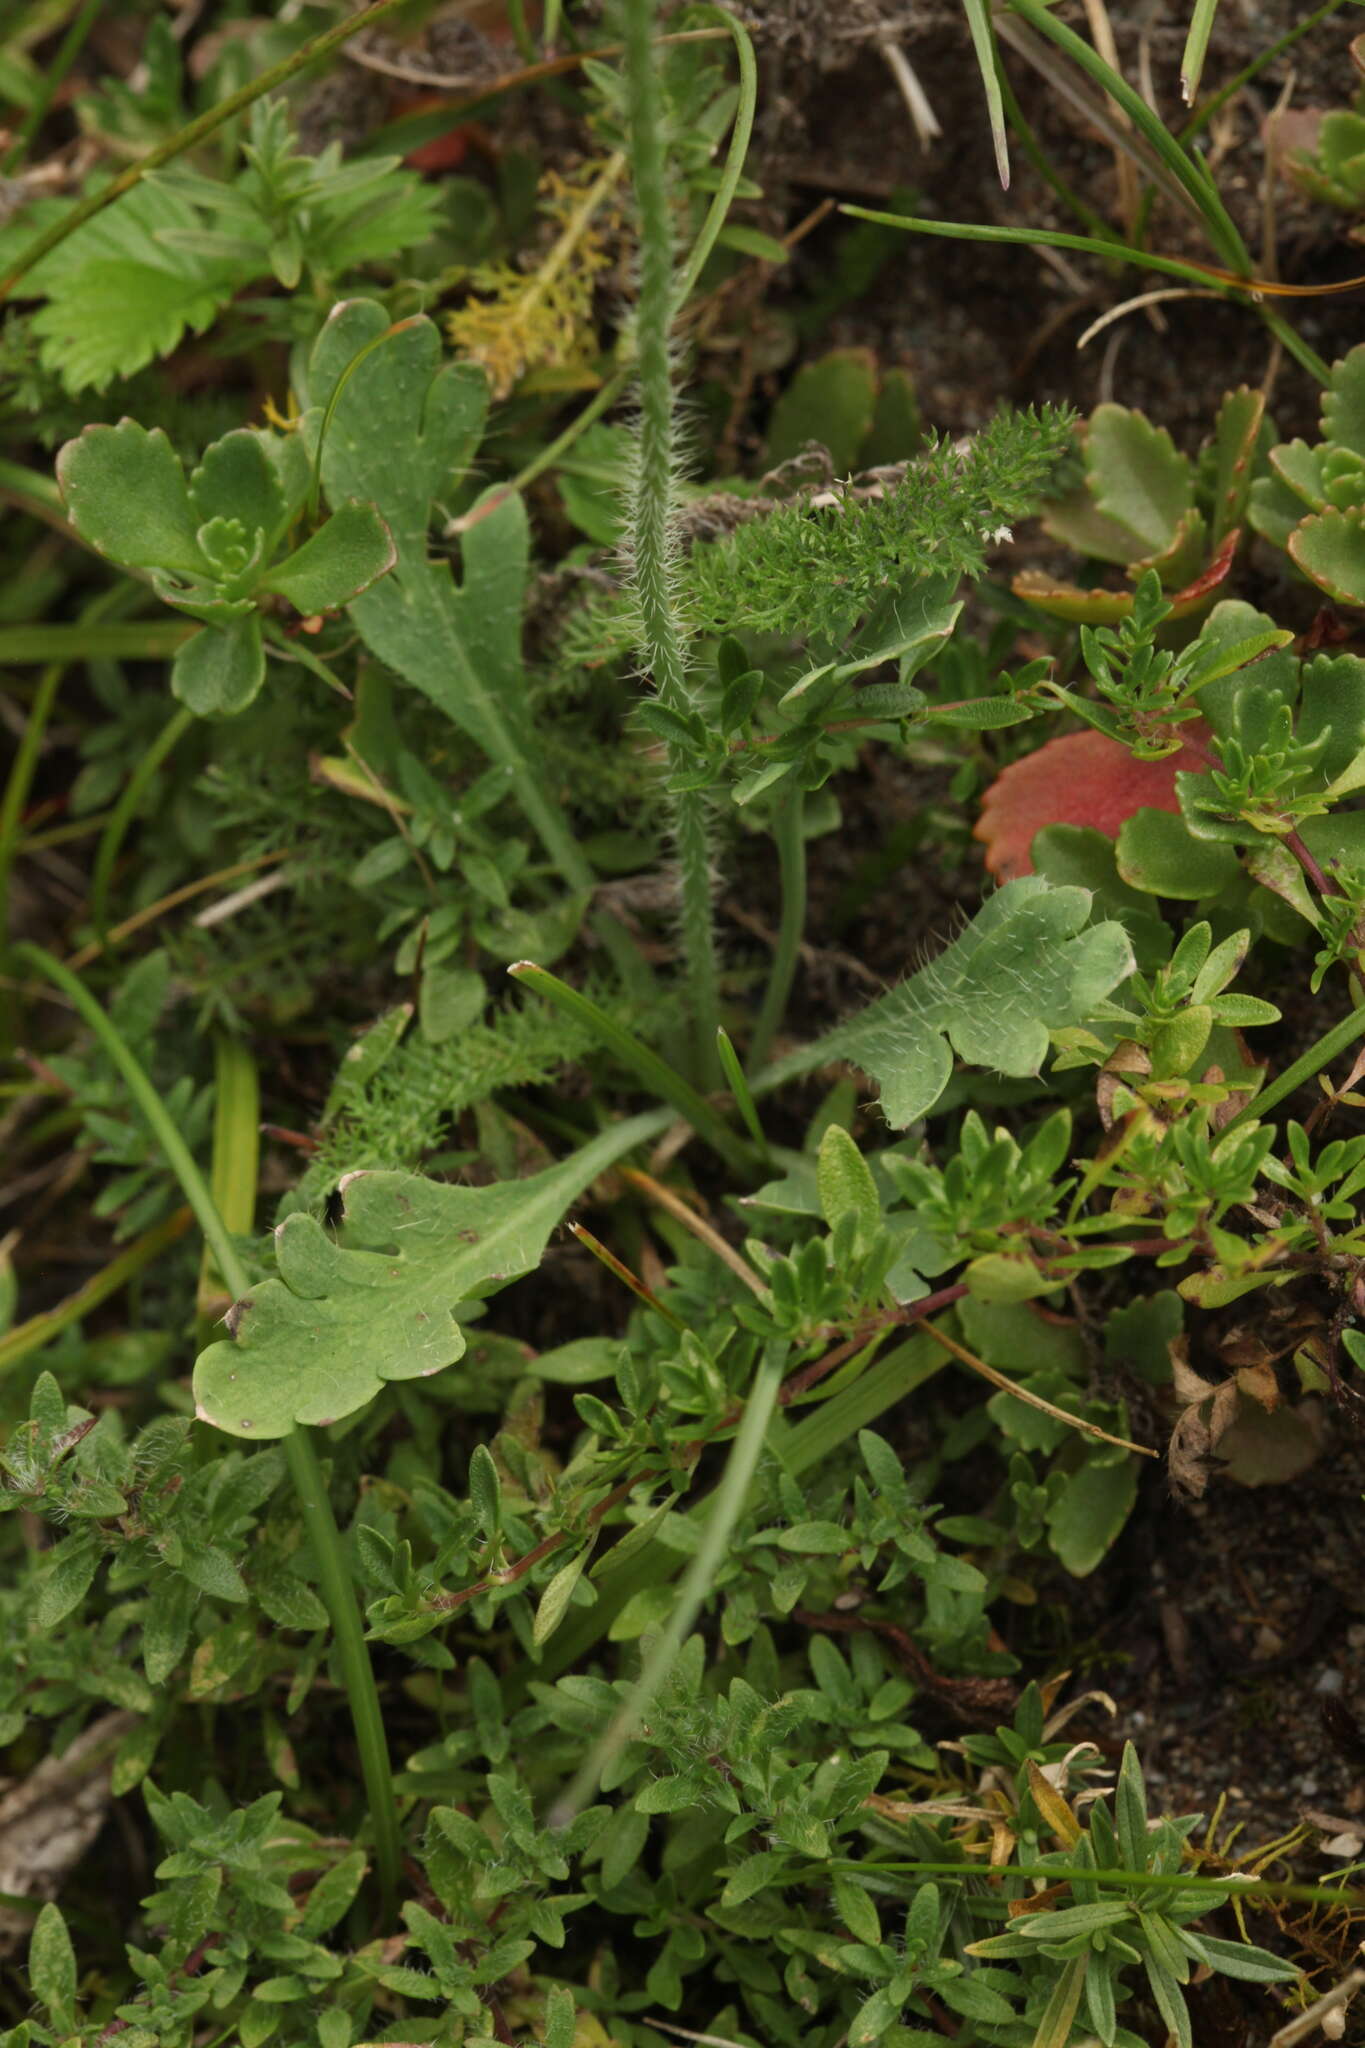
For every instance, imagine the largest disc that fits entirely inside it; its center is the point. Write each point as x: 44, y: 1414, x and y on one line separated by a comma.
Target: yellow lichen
x: 518, y: 321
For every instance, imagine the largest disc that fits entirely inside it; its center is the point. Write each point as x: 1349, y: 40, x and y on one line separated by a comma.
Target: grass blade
x: 983, y: 42
x: 726, y: 1506
x: 1196, y: 48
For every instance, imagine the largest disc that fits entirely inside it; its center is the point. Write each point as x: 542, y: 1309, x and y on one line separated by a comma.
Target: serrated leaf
x: 1332, y: 700
x: 237, y: 480
x: 1298, y: 466
x: 118, y: 296
x: 1239, y: 422
x: 1026, y: 965
x: 125, y: 494
x: 343, y: 1317
x: 344, y: 557
x: 1329, y: 547
x: 1082, y: 779
x: 1161, y: 856
x: 1343, y: 406
x: 1137, y: 476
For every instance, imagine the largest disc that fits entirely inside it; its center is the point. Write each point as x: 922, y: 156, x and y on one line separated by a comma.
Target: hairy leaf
x: 374, y: 389
x: 126, y: 495
x: 1025, y: 965
x: 219, y: 671
x: 343, y: 1317
x: 345, y: 556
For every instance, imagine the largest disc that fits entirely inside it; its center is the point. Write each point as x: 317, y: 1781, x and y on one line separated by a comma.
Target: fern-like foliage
x: 396, y: 1114
x: 813, y: 570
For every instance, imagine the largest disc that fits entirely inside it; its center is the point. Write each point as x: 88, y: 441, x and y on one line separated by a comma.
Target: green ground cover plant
x: 535, y: 1568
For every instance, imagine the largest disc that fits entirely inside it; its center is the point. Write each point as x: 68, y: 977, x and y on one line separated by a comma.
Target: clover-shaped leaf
x: 347, y: 1314
x: 1025, y: 966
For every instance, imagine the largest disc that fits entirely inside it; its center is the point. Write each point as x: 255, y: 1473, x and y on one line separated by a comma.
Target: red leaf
x: 443, y: 152
x: 1083, y: 778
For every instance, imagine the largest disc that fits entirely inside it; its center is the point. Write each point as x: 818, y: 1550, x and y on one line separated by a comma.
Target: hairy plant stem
x: 651, y: 541
x: 790, y: 834
x: 304, y: 1469
x: 606, y: 396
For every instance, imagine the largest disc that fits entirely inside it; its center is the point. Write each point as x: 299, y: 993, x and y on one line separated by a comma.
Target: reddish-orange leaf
x: 1083, y: 778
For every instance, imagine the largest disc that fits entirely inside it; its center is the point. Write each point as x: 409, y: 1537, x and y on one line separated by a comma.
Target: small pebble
x: 1329, y: 1680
